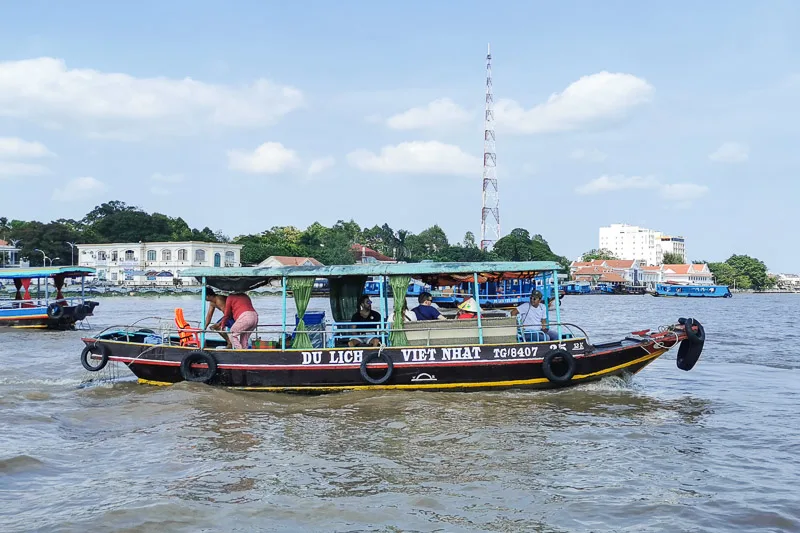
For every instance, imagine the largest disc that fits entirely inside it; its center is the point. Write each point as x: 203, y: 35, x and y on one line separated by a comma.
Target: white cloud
x: 617, y: 183
x: 79, y: 189
x: 439, y: 113
x: 269, y: 158
x: 680, y: 194
x: 730, y: 152
x: 160, y: 180
x: 12, y: 169
x: 320, y: 165
x: 594, y: 155
x: 13, y: 147
x: 47, y: 90
x: 417, y: 157
x: 589, y: 102
x: 167, y: 178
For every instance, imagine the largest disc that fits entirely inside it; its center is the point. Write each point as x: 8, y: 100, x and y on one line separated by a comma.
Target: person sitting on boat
x: 217, y: 301
x: 365, y: 314
x: 408, y: 315
x: 240, y: 308
x: 425, y: 310
x: 534, y: 317
x: 468, y: 309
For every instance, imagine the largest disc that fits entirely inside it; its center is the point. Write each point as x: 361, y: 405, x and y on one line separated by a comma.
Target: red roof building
x: 364, y: 254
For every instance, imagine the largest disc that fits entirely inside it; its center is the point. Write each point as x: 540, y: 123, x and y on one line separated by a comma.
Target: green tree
x: 469, y: 240
x: 751, y: 268
x: 5, y: 228
x: 429, y: 244
x: 671, y: 258
x: 603, y: 253
x: 723, y: 273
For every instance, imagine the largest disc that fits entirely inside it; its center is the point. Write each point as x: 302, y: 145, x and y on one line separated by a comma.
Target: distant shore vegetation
x: 116, y: 221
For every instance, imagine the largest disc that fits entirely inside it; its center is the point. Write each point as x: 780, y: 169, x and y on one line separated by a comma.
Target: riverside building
x: 642, y: 244
x: 156, y: 263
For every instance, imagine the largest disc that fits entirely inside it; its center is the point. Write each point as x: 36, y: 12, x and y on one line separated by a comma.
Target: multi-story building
x: 642, y: 244
x: 155, y: 263
x: 673, y: 245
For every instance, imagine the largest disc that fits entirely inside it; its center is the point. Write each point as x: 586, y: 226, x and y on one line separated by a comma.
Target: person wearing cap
x: 468, y: 308
x: 425, y: 310
x: 363, y: 315
x: 534, y: 317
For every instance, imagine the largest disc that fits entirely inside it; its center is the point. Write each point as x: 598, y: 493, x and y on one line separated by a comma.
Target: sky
x: 679, y: 117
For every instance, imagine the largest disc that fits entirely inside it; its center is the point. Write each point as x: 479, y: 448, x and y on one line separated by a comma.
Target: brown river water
x: 715, y: 449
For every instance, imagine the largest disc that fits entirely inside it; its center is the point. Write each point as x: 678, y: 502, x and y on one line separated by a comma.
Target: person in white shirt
x: 534, y: 317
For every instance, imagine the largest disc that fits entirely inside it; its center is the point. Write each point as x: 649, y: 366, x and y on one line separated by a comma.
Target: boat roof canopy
x: 46, y: 272
x: 437, y: 274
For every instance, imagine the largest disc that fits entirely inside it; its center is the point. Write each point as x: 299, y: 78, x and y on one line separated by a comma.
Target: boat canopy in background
x: 435, y: 274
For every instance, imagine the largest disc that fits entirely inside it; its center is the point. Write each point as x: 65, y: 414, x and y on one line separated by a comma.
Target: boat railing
x: 159, y: 330
x: 39, y: 302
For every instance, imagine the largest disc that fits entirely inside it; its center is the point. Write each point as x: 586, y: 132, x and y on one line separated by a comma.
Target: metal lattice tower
x: 490, y: 211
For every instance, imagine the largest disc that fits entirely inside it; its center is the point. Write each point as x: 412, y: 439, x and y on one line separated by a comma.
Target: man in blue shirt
x: 426, y: 311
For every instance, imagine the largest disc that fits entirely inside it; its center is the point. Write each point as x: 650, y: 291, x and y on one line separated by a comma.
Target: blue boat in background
x: 693, y: 291
x: 500, y: 294
x: 54, y: 310
x: 577, y: 287
x: 415, y: 288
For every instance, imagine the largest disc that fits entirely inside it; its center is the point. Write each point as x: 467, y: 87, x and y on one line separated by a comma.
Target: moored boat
x: 54, y: 310
x: 500, y: 294
x: 472, y: 354
x: 693, y: 291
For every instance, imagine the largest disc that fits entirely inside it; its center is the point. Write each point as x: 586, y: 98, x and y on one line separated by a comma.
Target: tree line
x: 115, y: 221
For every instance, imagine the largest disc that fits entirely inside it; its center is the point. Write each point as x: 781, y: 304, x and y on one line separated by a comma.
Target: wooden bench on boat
x: 461, y: 332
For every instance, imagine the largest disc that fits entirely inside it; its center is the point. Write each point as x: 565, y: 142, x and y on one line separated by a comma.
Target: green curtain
x: 399, y: 284
x: 301, y: 291
x: 345, y: 293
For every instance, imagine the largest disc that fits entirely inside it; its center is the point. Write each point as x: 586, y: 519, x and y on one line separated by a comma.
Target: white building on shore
x: 641, y: 244
x: 155, y: 263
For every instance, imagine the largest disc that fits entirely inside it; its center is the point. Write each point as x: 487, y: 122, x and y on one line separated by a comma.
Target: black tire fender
x: 699, y: 336
x: 55, y: 311
x: 690, y: 349
x: 198, y: 357
x: 94, y: 349
x: 79, y: 313
x: 385, y: 359
x: 547, y: 366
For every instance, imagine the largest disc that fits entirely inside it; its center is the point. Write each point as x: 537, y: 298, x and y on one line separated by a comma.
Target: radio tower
x: 490, y: 211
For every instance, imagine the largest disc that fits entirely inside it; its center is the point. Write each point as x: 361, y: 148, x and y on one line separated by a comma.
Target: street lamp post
x: 44, y: 256
x: 72, y: 253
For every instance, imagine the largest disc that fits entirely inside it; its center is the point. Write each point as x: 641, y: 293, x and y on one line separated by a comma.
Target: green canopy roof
x: 247, y: 278
x: 45, y: 272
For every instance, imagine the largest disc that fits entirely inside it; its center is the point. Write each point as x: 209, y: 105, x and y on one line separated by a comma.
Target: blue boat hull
x: 37, y: 316
x: 693, y: 291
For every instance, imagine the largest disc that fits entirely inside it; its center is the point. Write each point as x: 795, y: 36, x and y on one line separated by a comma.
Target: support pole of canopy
x: 558, y: 302
x: 283, y: 313
x: 46, y: 290
x: 477, y: 302
x: 83, y: 289
x: 545, y: 296
x: 203, y: 319
x: 384, y: 308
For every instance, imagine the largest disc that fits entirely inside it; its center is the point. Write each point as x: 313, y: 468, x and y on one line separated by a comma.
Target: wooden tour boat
x: 54, y: 311
x: 311, y: 355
